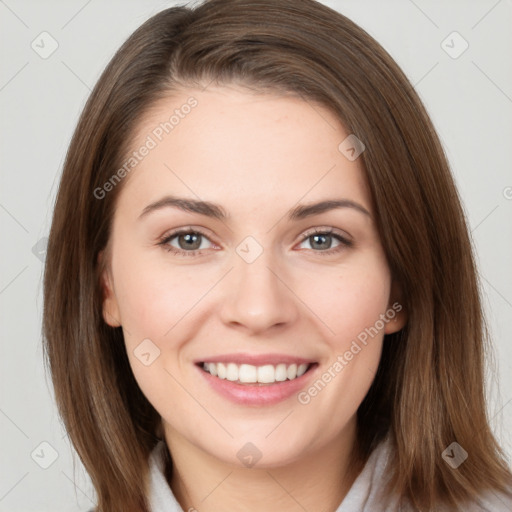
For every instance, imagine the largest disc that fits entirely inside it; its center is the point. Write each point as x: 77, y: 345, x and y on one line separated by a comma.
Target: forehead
x: 231, y: 144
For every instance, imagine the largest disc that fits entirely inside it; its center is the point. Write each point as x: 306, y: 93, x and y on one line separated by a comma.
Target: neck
x: 318, y: 480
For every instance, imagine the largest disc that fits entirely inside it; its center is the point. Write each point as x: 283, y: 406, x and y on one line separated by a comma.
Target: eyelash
x: 164, y: 242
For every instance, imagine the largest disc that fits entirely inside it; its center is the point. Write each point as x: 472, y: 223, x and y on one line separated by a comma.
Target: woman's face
x: 260, y: 284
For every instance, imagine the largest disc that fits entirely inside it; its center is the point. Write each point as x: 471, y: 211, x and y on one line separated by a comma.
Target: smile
x: 250, y: 374
x: 257, y: 380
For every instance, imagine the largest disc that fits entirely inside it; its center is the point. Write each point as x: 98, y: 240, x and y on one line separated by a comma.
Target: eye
x: 321, y: 241
x: 185, y: 242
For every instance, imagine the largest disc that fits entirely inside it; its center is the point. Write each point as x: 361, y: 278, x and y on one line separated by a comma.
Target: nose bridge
x: 257, y: 296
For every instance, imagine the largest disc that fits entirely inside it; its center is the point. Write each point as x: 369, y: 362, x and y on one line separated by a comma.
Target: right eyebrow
x: 188, y: 205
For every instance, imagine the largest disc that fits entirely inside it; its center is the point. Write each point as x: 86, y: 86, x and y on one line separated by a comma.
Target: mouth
x: 252, y: 375
x: 257, y: 381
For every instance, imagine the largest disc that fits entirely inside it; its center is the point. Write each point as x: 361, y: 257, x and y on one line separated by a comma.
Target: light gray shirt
x: 363, y: 496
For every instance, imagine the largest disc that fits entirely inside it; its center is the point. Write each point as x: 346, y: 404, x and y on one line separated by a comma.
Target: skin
x: 257, y: 155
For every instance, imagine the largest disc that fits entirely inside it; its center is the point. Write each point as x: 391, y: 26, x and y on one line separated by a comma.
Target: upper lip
x: 255, y: 359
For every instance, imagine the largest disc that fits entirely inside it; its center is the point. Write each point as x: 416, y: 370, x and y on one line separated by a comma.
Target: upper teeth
x: 248, y: 373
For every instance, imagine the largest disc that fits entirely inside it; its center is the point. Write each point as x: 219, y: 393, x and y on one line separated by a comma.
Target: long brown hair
x: 429, y: 388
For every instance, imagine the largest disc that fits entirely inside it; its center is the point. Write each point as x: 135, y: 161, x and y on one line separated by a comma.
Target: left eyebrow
x: 216, y: 211
x: 308, y: 210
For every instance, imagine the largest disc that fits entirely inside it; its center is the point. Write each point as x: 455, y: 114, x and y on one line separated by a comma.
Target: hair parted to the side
x: 422, y: 395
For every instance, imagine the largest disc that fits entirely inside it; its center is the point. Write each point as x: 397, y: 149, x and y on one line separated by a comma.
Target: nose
x: 258, y: 296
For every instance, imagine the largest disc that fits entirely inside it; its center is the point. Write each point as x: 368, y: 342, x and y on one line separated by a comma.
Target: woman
x: 259, y: 289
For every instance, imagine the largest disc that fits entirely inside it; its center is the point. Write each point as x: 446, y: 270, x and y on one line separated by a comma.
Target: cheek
x: 350, y: 301
x: 155, y: 305
x: 358, y: 298
x: 154, y: 298
x: 350, y: 306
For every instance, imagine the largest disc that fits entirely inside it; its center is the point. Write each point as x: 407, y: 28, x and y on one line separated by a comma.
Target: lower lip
x: 254, y: 394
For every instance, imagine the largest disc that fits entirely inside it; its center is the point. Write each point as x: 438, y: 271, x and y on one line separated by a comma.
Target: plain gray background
x: 468, y: 94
